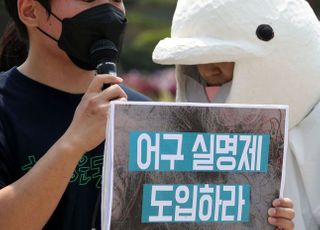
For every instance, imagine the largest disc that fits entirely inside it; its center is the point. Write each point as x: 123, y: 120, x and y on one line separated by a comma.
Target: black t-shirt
x: 33, y: 117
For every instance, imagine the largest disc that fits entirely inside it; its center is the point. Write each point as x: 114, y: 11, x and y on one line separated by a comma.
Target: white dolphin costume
x: 276, y: 47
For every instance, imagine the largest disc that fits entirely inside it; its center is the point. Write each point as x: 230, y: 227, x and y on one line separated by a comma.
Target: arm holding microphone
x: 29, y: 202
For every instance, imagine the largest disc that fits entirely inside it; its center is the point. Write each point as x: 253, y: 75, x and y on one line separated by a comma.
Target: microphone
x: 104, y: 55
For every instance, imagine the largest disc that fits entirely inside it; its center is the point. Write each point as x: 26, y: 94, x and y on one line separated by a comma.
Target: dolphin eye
x: 265, y: 32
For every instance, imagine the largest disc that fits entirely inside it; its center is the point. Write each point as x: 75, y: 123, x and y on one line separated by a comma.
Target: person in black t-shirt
x: 53, y: 112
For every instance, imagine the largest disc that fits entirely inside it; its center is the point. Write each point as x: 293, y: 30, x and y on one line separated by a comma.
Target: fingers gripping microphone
x: 104, y: 54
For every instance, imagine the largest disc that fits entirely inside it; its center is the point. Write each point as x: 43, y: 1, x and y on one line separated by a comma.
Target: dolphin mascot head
x: 275, y: 45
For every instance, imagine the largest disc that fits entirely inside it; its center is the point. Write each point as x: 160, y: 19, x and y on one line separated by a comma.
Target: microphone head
x: 103, y: 50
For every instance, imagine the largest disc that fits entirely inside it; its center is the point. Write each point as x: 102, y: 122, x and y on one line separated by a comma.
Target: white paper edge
x: 220, y: 105
x: 108, y: 171
x: 285, y: 151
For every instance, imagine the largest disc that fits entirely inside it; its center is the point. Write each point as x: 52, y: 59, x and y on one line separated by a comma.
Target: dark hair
x: 13, y: 50
x: 14, y: 42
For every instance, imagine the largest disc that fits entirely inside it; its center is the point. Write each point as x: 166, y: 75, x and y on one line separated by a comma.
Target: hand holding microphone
x: 87, y: 128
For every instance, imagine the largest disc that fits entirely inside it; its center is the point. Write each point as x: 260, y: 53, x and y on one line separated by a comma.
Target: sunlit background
x: 149, y: 22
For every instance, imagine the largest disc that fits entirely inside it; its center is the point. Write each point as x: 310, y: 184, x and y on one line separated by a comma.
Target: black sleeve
x: 4, y: 160
x: 134, y: 95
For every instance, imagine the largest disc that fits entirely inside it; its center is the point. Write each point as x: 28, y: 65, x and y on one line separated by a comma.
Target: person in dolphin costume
x: 259, y: 52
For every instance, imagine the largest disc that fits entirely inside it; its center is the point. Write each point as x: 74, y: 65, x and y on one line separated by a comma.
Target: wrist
x: 71, y: 145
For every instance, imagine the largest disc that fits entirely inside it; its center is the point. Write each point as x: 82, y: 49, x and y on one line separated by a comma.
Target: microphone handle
x: 109, y: 68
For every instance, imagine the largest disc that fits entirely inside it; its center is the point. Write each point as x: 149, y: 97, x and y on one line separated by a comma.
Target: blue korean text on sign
x: 195, y: 203
x: 160, y: 151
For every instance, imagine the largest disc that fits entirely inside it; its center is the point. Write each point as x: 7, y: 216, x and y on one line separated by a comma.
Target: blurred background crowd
x: 149, y: 22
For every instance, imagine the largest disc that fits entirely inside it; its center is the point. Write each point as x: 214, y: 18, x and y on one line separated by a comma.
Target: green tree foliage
x: 148, y: 22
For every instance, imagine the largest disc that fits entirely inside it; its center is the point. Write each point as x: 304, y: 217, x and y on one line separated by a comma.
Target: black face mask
x: 80, y: 32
